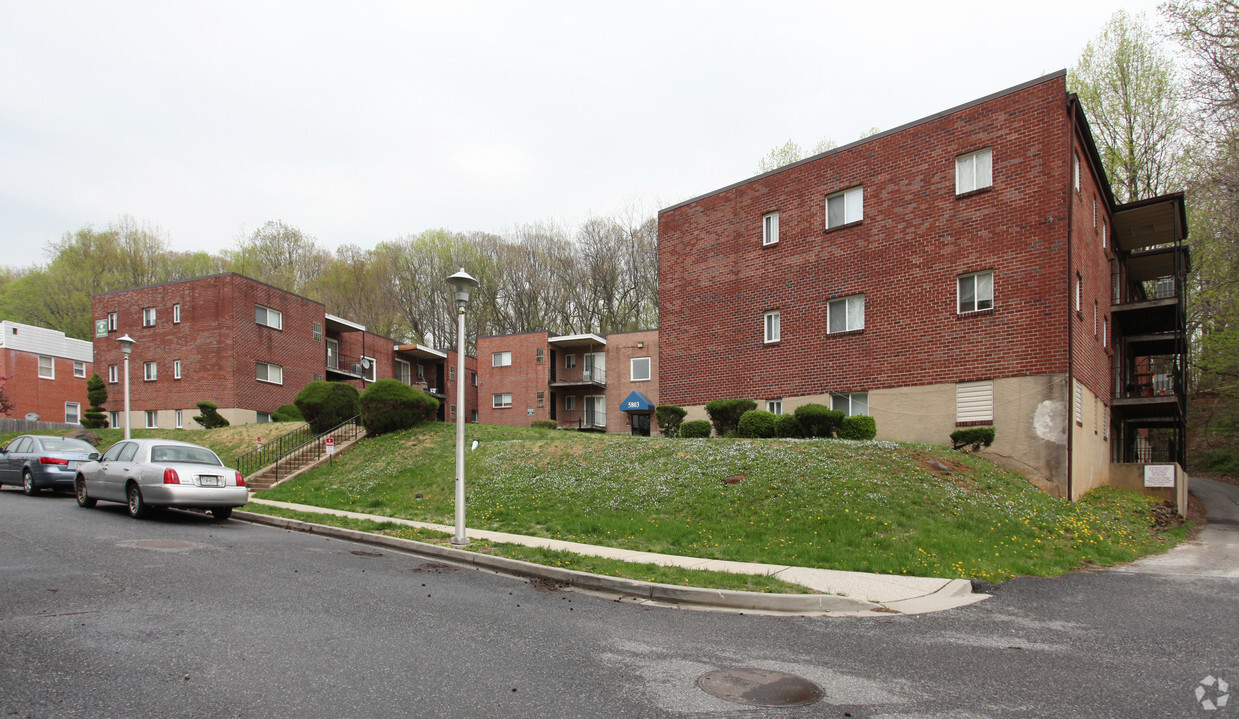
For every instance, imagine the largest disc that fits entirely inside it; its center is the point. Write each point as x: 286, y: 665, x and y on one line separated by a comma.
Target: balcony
x: 586, y: 377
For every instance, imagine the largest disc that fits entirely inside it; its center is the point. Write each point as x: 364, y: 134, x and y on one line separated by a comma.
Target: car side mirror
x: 94, y: 456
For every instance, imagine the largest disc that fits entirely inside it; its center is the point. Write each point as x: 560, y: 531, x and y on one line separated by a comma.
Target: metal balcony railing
x: 302, y: 442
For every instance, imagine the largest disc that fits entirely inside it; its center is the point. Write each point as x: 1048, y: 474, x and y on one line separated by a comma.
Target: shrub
x: 544, y: 424
x: 390, y: 405
x: 669, y: 417
x: 97, y: 395
x: 858, y: 426
x: 818, y: 420
x: 287, y: 413
x: 210, y: 418
x: 756, y: 423
x: 786, y: 425
x: 725, y: 413
x: 695, y: 428
x: 1222, y: 461
x: 972, y: 438
x: 327, y: 404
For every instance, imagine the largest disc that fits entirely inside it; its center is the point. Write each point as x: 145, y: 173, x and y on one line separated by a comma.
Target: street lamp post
x: 462, y: 284
x: 126, y: 347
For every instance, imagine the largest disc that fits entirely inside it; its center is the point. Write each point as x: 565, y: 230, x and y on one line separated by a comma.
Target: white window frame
x: 76, y: 415
x: 451, y: 372
x: 259, y: 373
x: 770, y: 229
x: 176, y: 314
x: 975, y: 279
x: 501, y: 359
x: 113, y: 374
x: 79, y: 369
x: 268, y: 317
x: 333, y: 353
x: 1075, y: 170
x: 150, y: 371
x: 1105, y: 239
x: 633, y: 374
x: 974, y: 401
x: 856, y: 402
x: 847, y: 303
x: 473, y: 378
x: 148, y: 316
x: 114, y: 419
x: 152, y: 419
x: 1105, y: 332
x: 111, y: 322
x: 501, y: 400
x: 570, y: 361
x: 404, y: 371
x: 774, y: 406
x: 50, y: 371
x: 316, y: 331
x: 569, y: 402
x: 772, y: 329
x: 853, y: 204
x: 1079, y: 290
x: 369, y: 375
x: 176, y: 369
x: 974, y: 171
x: 180, y: 424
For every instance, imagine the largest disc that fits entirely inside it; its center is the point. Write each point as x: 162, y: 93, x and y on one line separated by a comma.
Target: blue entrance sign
x: 636, y: 402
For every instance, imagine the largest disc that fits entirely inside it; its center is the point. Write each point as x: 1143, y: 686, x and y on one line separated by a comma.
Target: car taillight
x: 52, y: 460
x: 170, y: 477
x: 240, y: 480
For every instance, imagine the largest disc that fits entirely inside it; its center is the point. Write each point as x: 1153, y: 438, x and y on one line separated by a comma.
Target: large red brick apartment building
x: 249, y: 348
x: 972, y: 267
x: 46, y: 371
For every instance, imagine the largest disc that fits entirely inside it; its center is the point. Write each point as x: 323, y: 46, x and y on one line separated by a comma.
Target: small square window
x: 845, y: 207
x: 79, y: 369
x: 772, y: 330
x: 639, y: 369
x: 770, y: 228
x: 269, y: 317
x: 272, y: 373
x: 47, y: 367
x: 73, y: 412
x: 774, y: 406
x: 148, y: 317
x: 569, y: 361
x: 570, y: 402
x: 501, y: 399
x: 501, y: 359
x: 845, y: 314
x: 976, y: 291
x: 973, y: 171
x: 149, y: 371
x: 850, y: 403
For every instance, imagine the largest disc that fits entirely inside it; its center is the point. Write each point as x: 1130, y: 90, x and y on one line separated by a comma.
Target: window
x: 149, y: 371
x: 473, y: 416
x: 1094, y: 213
x: 1096, y: 324
x: 501, y: 399
x: 976, y: 291
x: 845, y: 207
x: 113, y: 374
x: 176, y: 314
x: 79, y: 369
x: 114, y: 419
x: 179, y: 417
x: 569, y: 361
x: 111, y: 322
x: 501, y: 359
x: 845, y: 314
x: 262, y: 417
x: 774, y: 406
x: 272, y: 373
x: 473, y: 378
x: 770, y: 228
x: 148, y: 317
x: 176, y: 369
x: 1104, y: 238
x: 421, y: 371
x: 369, y: 368
x: 639, y: 370
x: 541, y: 398
x: 1079, y: 289
x: 451, y: 372
x: 1075, y: 171
x: 771, y: 324
x: 73, y: 413
x: 570, y: 402
x: 47, y: 367
x: 403, y: 373
x: 152, y: 420
x: 973, y: 171
x: 974, y: 402
x: 1079, y: 403
x: 541, y: 355
x: 269, y: 317
x: 453, y: 411
x: 1105, y: 331
x: 318, y: 377
x: 333, y: 354
x: 850, y: 403
x: 317, y: 332
x: 1105, y: 422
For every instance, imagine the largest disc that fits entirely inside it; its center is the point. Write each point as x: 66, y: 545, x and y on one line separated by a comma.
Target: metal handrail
x: 273, y: 450
x: 347, y: 430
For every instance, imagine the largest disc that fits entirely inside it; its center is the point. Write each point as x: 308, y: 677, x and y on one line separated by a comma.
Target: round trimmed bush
x: 756, y: 423
x: 786, y: 425
x: 818, y: 420
x: 544, y: 424
x: 725, y: 413
x: 287, y: 413
x: 858, y: 426
x: 695, y: 429
x: 327, y: 404
x: 669, y: 417
x: 390, y: 405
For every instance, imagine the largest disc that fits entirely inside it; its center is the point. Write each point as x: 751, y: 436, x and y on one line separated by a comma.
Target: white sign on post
x: 331, y: 445
x: 1159, y: 475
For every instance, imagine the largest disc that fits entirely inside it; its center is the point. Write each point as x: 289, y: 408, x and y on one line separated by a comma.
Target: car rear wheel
x: 138, y: 509
x: 221, y: 513
x: 83, y: 499
x: 28, y: 485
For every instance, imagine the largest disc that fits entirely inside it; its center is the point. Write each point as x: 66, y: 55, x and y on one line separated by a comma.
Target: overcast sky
x: 362, y: 122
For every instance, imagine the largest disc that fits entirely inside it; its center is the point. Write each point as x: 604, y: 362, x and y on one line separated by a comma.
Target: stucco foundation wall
x: 1131, y: 476
x: 1090, y: 446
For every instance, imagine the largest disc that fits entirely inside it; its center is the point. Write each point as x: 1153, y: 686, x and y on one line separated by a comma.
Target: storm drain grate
x: 760, y: 687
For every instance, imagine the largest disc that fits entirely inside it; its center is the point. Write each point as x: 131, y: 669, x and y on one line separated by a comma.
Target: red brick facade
x: 49, y: 397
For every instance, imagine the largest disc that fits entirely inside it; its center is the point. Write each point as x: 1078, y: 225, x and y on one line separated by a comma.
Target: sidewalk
x: 842, y: 593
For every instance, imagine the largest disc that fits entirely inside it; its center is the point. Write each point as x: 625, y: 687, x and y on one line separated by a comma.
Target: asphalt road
x: 178, y: 616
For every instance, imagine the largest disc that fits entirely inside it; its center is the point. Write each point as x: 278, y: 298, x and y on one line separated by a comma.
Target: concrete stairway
x: 301, y: 460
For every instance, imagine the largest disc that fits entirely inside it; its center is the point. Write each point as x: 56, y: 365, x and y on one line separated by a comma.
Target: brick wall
x: 621, y: 350
x: 45, y: 397
x: 523, y: 379
x: 916, y: 238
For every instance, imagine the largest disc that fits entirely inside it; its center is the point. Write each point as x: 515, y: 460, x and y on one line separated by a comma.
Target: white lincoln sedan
x: 151, y: 473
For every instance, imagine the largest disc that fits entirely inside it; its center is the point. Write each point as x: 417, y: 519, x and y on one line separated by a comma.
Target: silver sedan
x: 149, y: 473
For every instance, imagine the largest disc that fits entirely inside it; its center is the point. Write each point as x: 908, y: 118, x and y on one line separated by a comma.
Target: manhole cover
x: 760, y: 687
x: 161, y: 545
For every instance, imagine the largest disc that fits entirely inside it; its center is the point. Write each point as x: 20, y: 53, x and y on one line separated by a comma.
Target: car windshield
x: 64, y: 444
x: 188, y: 455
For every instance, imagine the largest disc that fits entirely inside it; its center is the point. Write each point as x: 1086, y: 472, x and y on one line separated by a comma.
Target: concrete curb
x: 646, y: 591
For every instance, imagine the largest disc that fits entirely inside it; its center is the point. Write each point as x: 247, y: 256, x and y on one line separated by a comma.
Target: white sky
x: 363, y: 122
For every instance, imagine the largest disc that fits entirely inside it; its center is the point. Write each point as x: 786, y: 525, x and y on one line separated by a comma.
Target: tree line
x: 601, y: 276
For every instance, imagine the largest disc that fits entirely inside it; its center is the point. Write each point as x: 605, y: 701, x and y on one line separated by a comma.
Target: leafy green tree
x: 6, y: 402
x: 210, y: 418
x: 280, y: 255
x: 790, y: 152
x: 97, y: 394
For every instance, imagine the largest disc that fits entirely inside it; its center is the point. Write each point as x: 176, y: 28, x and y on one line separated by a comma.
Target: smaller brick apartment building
x: 248, y: 347
x: 584, y: 381
x: 46, y: 371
